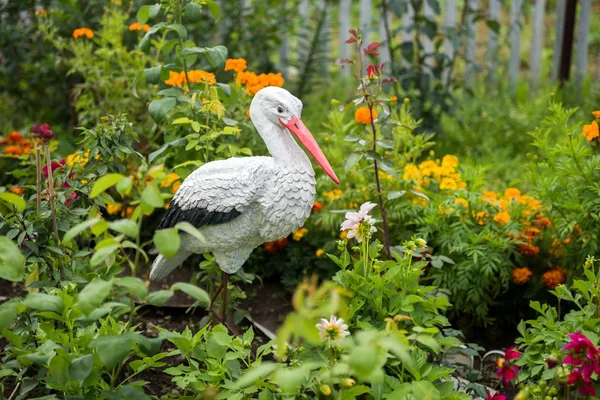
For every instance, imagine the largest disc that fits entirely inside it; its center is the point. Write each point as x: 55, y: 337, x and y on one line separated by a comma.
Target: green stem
x: 184, y: 62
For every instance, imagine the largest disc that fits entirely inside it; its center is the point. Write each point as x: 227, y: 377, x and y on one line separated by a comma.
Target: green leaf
x: 58, y: 371
x: 259, y: 372
x: 352, y: 160
x: 92, y: 295
x: 77, y: 229
x: 134, y: 285
x: 101, y: 254
x: 216, y: 55
x: 125, y: 226
x: 181, y: 31
x: 105, y: 182
x: 175, y: 143
x: 214, y: 9
x: 152, y: 75
x: 124, y: 186
x: 429, y: 342
x: 190, y: 230
x: 44, y: 302
x: 112, y: 349
x: 14, y: 200
x: 151, y: 196
x: 8, y: 313
x: 81, y: 367
x: 160, y: 297
x: 147, y: 12
x: 395, y: 195
x: 167, y: 242
x: 159, y: 108
x: 202, y: 298
x: 193, y: 12
x: 12, y: 262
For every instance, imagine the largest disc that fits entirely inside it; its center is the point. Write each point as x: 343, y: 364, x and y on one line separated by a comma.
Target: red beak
x: 297, y: 127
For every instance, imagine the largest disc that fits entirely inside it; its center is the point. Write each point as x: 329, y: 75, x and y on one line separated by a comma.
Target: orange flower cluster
x: 521, y: 275
x: 16, y: 144
x: 196, y: 76
x: 255, y: 82
x: 275, y: 246
x: 317, y: 206
x: 554, y: 277
x: 362, y: 115
x: 83, y: 32
x: 136, y: 26
x: 443, y: 171
x: 591, y: 131
x: 236, y: 65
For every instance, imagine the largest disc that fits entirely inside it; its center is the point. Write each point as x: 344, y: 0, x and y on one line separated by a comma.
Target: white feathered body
x: 272, y: 200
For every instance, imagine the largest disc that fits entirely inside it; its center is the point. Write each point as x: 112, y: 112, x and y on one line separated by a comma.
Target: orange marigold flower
x: 235, y: 64
x: 199, y: 76
x: 320, y: 253
x: 531, y: 233
x: 591, y: 131
x: 521, y: 276
x: 489, y: 195
x: 17, y: 190
x: 16, y: 150
x: 502, y: 218
x: 528, y: 249
x: 136, y: 26
x: 170, y: 179
x: 299, y: 234
x: 596, y: 114
x: 393, y: 99
x: 317, y: 206
x: 543, y: 222
x: 15, y: 137
x: 83, y: 32
x: 554, y: 277
x: 512, y: 193
x: 41, y: 12
x: 175, y: 79
x: 363, y: 115
x: 481, y: 217
x: 113, y: 209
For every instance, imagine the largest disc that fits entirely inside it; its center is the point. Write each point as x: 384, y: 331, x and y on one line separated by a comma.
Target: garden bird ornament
x: 242, y: 202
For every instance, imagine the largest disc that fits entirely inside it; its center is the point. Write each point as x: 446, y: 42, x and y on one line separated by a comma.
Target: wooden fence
x: 517, y: 13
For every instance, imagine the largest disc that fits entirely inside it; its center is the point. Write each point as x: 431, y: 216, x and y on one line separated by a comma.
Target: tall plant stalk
x: 51, y: 198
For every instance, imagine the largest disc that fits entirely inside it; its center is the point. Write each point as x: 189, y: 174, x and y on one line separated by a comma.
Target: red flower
x: 55, y: 166
x: 507, y: 371
x: 584, y: 356
x: 497, y: 396
x: 43, y: 131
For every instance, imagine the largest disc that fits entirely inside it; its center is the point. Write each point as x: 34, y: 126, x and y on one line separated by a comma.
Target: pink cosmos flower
x: 355, y: 219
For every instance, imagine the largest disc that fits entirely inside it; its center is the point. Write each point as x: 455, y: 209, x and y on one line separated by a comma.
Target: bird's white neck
x: 282, y: 146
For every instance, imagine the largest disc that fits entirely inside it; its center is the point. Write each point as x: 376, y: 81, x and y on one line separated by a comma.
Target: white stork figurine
x: 240, y: 203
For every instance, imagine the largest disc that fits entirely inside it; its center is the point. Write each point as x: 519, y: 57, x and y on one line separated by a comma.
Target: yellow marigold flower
x: 481, y: 217
x: 512, y: 193
x: 427, y: 167
x: 320, y: 253
x: 461, y: 202
x: 344, y: 235
x: 17, y: 190
x: 411, y: 172
x: 235, y: 64
x: 489, y: 196
x: 78, y: 159
x: 450, y: 160
x: 520, y: 276
x: 170, y: 179
x: 554, y: 277
x: 299, y: 234
x: 113, y: 209
x: 335, y: 194
x: 448, y: 184
x: 83, y: 32
x: 363, y: 115
x: 596, y: 114
x: 591, y: 131
x: 502, y: 218
x: 175, y: 187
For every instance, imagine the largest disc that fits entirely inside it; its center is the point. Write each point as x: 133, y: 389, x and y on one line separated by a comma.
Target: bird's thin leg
x: 224, y: 301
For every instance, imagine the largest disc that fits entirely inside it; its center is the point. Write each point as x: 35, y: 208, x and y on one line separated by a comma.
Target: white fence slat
x: 537, y: 42
x: 325, y: 33
x: 365, y: 21
x: 585, y: 11
x: 344, y: 21
x: 408, y: 31
x: 492, y: 59
x: 515, y: 41
x: 450, y: 26
x: 558, y: 38
x: 470, y: 51
x: 283, y: 47
x: 384, y: 50
x: 427, y: 42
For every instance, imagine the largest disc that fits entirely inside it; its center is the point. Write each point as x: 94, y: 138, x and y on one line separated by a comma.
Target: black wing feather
x: 198, y: 217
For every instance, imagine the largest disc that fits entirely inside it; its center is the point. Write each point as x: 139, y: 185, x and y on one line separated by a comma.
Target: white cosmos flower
x: 332, y: 330
x: 354, y: 219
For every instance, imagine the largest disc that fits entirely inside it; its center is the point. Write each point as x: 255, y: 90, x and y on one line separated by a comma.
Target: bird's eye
x: 279, y: 109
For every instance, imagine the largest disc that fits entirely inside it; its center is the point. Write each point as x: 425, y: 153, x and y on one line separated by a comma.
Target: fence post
x: 470, y: 52
x: 582, y: 43
x: 537, y: 44
x: 566, y: 51
x: 450, y: 28
x: 494, y: 15
x: 560, y: 29
x: 344, y: 21
x: 283, y: 47
x: 365, y: 21
x: 515, y: 42
x: 384, y: 50
x: 408, y: 28
x: 426, y: 40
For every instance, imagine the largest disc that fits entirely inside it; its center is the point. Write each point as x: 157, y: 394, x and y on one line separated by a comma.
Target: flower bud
x: 326, y: 390
x: 551, y: 362
x: 522, y: 395
x: 421, y: 243
x: 348, y: 382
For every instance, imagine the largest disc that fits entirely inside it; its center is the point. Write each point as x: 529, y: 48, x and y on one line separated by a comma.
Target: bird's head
x: 281, y: 108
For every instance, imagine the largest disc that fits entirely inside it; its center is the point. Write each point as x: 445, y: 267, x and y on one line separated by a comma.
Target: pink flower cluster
x: 583, y: 356
x: 506, y: 369
x: 42, y: 130
x: 355, y: 219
